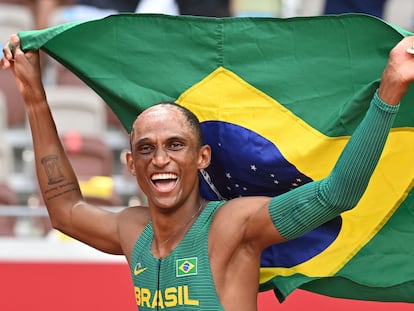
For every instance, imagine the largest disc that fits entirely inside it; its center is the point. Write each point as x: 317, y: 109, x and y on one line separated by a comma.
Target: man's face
x: 165, y: 156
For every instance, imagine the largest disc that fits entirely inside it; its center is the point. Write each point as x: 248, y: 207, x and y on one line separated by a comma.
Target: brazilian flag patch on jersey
x: 186, y: 266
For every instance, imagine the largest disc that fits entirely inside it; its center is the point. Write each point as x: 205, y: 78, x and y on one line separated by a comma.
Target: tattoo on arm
x: 55, y: 176
x: 52, y: 168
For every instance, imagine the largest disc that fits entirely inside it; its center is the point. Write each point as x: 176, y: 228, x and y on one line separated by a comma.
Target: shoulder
x: 132, y: 221
x: 135, y: 215
x: 243, y: 207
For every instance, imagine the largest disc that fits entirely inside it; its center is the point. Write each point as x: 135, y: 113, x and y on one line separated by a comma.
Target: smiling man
x: 186, y: 253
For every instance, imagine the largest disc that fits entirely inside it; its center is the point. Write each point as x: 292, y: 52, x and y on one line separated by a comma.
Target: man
x: 186, y: 253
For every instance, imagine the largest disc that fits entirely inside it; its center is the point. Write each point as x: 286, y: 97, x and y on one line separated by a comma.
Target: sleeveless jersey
x: 182, y: 280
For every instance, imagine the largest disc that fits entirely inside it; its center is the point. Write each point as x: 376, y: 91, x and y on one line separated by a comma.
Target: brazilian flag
x: 278, y: 100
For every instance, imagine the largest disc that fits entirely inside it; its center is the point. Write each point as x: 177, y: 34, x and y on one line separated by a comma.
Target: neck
x: 165, y: 241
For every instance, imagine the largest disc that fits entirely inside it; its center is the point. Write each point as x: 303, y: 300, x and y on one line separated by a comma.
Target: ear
x: 130, y: 163
x: 204, y: 157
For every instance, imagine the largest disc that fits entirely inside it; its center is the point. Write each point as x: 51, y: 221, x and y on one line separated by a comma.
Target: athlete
x: 186, y: 253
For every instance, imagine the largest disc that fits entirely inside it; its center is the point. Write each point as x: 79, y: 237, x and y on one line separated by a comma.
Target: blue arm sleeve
x: 309, y: 206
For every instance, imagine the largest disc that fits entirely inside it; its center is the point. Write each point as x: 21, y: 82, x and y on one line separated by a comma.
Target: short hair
x: 190, y: 117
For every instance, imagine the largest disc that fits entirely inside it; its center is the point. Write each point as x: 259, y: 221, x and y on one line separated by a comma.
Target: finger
x: 6, y: 59
x: 14, y: 44
x: 10, y: 46
x: 4, y: 63
x: 11, y: 49
x: 7, y: 55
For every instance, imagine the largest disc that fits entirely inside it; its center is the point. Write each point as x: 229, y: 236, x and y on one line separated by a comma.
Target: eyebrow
x: 145, y: 140
x: 140, y: 142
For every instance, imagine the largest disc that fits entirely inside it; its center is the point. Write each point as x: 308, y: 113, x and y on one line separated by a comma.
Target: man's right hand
x: 26, y: 69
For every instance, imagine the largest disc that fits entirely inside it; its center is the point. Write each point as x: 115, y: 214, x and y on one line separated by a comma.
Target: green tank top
x: 182, y: 280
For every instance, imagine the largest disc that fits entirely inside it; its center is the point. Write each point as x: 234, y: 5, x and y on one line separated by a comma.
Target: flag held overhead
x: 278, y: 100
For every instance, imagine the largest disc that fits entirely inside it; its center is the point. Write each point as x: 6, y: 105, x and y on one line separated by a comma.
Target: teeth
x: 162, y: 176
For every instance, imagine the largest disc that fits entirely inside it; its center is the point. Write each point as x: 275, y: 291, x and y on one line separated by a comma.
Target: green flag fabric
x: 278, y: 100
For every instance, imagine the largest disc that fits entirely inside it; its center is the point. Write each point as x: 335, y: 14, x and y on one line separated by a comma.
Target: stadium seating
x: 6, y: 153
x: 8, y: 197
x: 62, y: 76
x: 13, y: 18
x: 77, y: 108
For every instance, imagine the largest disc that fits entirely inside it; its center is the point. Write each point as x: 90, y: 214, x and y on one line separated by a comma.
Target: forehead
x: 160, y: 120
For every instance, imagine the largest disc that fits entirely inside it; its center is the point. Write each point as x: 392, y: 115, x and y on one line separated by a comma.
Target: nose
x: 160, y: 157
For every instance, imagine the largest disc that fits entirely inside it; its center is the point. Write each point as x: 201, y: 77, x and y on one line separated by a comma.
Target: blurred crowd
x: 48, y: 12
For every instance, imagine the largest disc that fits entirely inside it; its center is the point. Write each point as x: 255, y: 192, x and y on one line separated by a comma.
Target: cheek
x: 191, y: 168
x: 141, y: 177
x: 140, y: 167
x: 142, y: 184
x: 137, y: 165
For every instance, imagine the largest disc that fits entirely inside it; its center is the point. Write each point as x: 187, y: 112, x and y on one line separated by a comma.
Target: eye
x: 176, y: 145
x: 145, y: 149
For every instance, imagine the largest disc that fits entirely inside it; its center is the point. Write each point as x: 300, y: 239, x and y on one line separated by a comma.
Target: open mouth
x: 164, y: 182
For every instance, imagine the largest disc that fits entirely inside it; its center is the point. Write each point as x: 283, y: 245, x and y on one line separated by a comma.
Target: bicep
x: 257, y: 225
x: 94, y: 226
